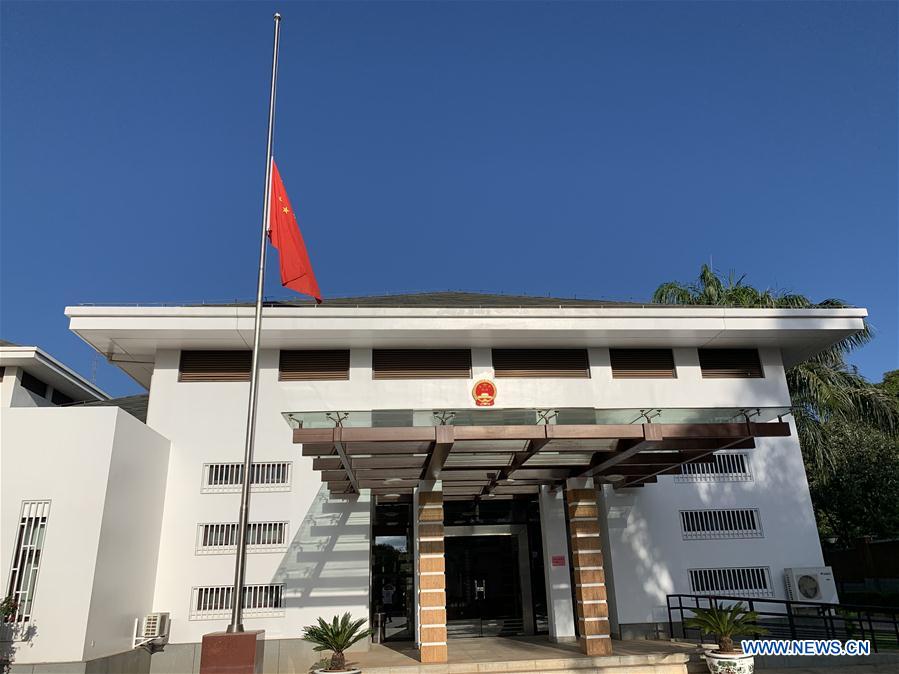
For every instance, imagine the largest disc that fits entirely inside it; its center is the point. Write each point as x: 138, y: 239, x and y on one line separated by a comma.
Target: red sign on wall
x: 558, y: 560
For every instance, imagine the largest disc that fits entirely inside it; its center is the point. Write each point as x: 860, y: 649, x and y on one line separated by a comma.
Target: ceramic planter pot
x: 729, y: 663
x: 342, y: 671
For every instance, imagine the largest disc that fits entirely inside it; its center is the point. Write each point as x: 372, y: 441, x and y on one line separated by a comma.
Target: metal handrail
x: 785, y: 618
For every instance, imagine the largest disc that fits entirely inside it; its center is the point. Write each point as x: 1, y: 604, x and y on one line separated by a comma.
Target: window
x: 730, y: 364
x: 222, y: 537
x: 60, y: 398
x: 216, y: 601
x: 743, y: 581
x: 33, y: 384
x: 726, y: 523
x: 228, y: 477
x: 26, y: 559
x: 421, y: 364
x: 642, y: 363
x: 215, y: 366
x: 314, y: 365
x: 726, y: 467
x: 567, y: 363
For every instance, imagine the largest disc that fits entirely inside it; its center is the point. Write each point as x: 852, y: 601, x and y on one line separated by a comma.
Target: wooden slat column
x: 592, y: 608
x: 431, y: 577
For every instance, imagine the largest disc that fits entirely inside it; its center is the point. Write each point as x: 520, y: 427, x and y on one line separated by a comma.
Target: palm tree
x: 336, y: 636
x: 725, y: 624
x: 823, y: 388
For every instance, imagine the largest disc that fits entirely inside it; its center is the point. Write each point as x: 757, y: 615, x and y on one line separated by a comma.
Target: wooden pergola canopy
x: 477, y: 462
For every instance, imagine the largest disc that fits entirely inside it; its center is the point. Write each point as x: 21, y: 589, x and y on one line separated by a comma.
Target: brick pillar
x: 431, y: 577
x: 589, y: 579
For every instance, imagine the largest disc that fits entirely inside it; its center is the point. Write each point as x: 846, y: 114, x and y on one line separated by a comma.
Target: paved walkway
x: 508, y: 649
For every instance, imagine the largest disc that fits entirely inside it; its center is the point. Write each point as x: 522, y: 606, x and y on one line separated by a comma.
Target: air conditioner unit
x: 811, y: 583
x: 151, y: 631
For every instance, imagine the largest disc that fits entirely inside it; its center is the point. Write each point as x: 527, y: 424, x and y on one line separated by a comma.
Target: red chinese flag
x: 284, y: 232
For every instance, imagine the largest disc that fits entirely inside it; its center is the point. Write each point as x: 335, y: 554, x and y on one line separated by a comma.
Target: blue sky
x: 588, y: 149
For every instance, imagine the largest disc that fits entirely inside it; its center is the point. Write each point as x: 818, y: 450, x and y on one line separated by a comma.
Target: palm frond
x: 672, y: 293
x: 337, y: 635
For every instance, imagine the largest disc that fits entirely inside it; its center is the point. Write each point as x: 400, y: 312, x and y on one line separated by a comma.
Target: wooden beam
x: 676, y: 468
x: 327, y: 463
x: 652, y: 435
x: 374, y: 462
x: 379, y: 473
x: 443, y: 445
x: 318, y: 449
x: 537, y: 432
x: 652, y: 458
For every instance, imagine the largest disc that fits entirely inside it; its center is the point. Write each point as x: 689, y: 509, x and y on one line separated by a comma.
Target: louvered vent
x: 642, y: 363
x: 421, y: 364
x: 744, y: 581
x: 314, y: 365
x: 730, y: 363
x: 215, y: 366
x: 215, y: 601
x: 33, y: 384
x: 569, y: 363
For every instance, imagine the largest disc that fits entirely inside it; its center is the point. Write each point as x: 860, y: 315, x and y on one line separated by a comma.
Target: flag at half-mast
x: 284, y: 232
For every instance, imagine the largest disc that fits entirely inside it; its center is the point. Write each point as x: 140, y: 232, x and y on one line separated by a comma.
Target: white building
x: 597, y: 428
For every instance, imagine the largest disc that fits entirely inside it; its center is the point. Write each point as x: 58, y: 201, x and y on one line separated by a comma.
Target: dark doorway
x: 483, y: 586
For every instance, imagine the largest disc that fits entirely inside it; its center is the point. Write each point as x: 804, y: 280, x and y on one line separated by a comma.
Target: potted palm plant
x: 336, y: 636
x: 725, y: 624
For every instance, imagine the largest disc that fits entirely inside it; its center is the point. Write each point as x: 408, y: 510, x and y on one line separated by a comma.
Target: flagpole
x: 240, y: 563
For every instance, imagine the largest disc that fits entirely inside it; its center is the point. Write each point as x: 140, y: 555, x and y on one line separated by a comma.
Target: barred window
x: 742, y: 581
x: 221, y: 537
x: 26, y: 559
x: 216, y: 601
x: 724, y: 467
x: 721, y: 523
x: 228, y: 477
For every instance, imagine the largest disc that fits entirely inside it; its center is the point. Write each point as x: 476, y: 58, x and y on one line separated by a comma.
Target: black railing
x: 795, y: 619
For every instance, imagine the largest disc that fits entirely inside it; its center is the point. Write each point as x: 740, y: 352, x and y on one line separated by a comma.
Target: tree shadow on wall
x: 327, y: 563
x: 12, y: 635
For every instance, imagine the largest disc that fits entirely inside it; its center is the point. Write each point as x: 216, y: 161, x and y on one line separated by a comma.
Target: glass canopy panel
x: 530, y: 416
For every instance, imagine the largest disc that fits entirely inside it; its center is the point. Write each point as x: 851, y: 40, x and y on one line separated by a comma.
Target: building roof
x: 45, y: 367
x: 131, y: 336
x: 462, y: 299
x: 135, y: 405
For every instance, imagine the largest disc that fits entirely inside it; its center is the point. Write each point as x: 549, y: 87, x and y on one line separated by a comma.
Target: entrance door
x: 487, y: 592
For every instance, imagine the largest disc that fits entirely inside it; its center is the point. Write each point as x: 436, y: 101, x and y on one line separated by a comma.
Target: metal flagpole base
x: 232, y: 652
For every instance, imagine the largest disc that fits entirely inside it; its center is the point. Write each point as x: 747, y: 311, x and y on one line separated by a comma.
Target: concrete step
x: 672, y: 663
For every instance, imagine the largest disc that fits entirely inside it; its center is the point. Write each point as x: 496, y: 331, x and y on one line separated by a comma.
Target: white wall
x: 77, y: 459
x: 7, y: 384
x: 129, y: 537
x: 326, y: 569
x: 12, y: 394
x: 650, y: 558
